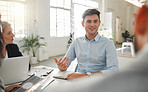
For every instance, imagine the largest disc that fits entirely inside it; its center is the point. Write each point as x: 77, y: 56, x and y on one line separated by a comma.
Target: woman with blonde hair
x: 9, y: 88
x: 7, y: 49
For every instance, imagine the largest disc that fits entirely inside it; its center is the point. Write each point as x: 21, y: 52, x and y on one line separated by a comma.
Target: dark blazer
x: 13, y: 51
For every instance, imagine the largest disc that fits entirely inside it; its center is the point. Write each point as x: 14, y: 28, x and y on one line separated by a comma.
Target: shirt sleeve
x: 71, y: 52
x: 111, y: 59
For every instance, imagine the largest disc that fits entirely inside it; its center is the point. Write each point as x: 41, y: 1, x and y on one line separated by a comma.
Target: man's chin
x: 92, y: 33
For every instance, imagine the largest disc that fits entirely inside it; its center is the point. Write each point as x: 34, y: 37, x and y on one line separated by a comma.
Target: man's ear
x: 99, y: 23
x: 82, y: 23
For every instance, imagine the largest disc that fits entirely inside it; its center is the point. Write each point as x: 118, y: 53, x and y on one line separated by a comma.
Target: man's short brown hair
x: 91, y: 12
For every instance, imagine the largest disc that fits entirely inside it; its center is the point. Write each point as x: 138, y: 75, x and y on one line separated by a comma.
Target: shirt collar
x: 95, y: 39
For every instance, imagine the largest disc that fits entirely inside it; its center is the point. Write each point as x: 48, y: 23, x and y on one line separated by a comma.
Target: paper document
x: 42, y: 72
x: 62, y: 74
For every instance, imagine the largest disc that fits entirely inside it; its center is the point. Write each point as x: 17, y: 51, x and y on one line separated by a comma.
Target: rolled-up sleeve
x: 71, y: 53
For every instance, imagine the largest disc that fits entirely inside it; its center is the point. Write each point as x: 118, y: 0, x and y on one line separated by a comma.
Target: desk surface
x: 48, y: 81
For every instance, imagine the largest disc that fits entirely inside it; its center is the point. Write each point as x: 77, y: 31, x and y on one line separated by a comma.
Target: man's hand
x: 62, y: 65
x: 9, y: 88
x: 75, y: 76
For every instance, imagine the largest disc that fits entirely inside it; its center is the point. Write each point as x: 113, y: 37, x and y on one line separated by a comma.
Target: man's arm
x: 68, y: 58
x: 71, y: 54
x: 111, y: 59
x: 79, y: 75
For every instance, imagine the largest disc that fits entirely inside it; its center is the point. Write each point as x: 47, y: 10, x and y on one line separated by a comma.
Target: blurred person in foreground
x: 132, y: 79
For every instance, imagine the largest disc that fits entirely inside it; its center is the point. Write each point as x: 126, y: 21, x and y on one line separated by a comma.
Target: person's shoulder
x: 105, y: 39
x: 12, y: 44
x: 107, y: 42
x: 79, y: 39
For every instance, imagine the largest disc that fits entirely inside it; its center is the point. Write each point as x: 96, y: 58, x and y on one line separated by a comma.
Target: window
x: 60, y: 24
x: 138, y: 3
x: 14, y: 13
x: 63, y: 16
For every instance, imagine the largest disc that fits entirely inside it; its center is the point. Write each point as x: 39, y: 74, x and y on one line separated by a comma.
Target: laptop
x: 13, y: 70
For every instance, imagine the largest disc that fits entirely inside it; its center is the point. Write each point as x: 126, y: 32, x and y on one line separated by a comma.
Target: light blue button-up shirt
x: 96, y: 55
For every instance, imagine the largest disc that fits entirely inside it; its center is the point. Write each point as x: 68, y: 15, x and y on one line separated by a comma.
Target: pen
x: 59, y: 77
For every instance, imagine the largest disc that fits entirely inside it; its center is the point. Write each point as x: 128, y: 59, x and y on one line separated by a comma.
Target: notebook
x: 13, y: 70
x: 62, y: 75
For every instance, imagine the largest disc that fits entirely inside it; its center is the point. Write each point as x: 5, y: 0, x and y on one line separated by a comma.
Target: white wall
x: 121, y: 9
x: 38, y: 20
x: 124, y: 11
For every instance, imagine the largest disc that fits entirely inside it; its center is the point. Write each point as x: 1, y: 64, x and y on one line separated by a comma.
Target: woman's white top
x: 6, y: 55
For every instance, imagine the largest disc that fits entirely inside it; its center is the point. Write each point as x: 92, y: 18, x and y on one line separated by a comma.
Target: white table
x: 48, y: 81
x: 49, y: 84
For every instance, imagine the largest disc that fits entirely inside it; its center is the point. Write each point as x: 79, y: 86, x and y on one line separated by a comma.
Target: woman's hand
x: 9, y: 88
x: 62, y: 64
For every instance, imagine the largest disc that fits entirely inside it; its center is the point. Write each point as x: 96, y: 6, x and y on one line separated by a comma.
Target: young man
x: 95, y: 54
x: 134, y: 78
